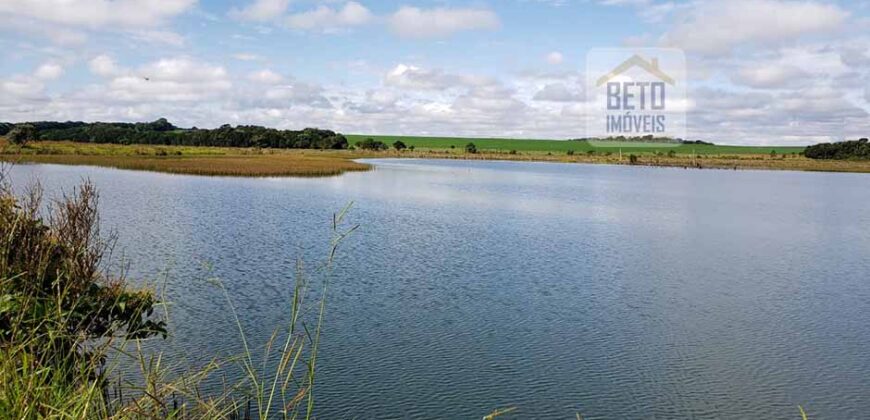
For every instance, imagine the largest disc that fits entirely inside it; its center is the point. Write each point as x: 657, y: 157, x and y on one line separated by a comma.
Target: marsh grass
x: 222, y: 161
x: 256, y: 162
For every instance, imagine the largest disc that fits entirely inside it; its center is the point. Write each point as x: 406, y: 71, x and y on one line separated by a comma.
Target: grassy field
x: 309, y: 163
x: 560, y: 146
x: 187, y: 160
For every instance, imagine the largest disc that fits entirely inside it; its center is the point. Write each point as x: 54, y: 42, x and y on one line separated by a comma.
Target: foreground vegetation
x: 66, y: 324
x: 185, y: 160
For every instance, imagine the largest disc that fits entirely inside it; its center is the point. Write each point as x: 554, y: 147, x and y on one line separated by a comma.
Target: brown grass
x: 308, y: 163
x: 187, y: 160
x: 743, y: 161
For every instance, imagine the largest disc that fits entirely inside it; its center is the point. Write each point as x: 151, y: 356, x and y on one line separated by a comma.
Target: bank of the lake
x: 257, y: 162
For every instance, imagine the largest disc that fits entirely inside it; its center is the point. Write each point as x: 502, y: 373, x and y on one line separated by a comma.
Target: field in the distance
x: 187, y: 160
x: 563, y: 146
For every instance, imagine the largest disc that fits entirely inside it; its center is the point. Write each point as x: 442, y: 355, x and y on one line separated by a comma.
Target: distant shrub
x: 590, y: 153
x: 411, y: 147
x: 399, y: 145
x: 672, y: 153
x: 855, y: 149
x: 21, y: 134
x: 512, y: 152
x: 470, y: 148
x: 632, y: 159
x: 371, y: 144
x: 570, y: 153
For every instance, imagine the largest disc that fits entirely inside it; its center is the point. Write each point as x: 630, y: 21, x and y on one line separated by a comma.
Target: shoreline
x: 252, y: 162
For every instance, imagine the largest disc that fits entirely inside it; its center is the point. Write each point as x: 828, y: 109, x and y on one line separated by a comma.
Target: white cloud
x: 159, y: 37
x: 413, y: 22
x: 103, y: 65
x: 770, y: 75
x: 48, y: 71
x: 261, y: 10
x: 169, y: 79
x: 327, y: 19
x: 416, y: 78
x: 247, y: 57
x: 265, y: 76
x: 558, y: 92
x: 555, y: 58
x: 20, y: 87
x: 718, y: 26
x: 97, y: 13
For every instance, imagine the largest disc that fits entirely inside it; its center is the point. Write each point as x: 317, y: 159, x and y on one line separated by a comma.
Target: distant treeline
x: 855, y: 149
x: 645, y: 139
x: 162, y: 132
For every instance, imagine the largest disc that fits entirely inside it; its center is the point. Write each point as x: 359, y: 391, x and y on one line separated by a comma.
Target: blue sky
x: 760, y: 71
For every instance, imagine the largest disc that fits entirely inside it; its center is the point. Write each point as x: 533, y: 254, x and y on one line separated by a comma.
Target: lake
x: 613, y: 291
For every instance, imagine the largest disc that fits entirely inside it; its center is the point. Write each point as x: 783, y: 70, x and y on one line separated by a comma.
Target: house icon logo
x: 636, y: 95
x: 651, y: 67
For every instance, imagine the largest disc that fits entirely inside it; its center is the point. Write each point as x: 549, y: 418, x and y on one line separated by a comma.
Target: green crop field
x: 563, y: 146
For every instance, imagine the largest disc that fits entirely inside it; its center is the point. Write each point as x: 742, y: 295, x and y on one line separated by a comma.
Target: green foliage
x: 162, y: 132
x: 53, y: 268
x: 399, y: 145
x: 470, y: 148
x: 632, y: 159
x: 59, y: 316
x: 371, y: 144
x: 856, y: 149
x: 5, y: 128
x: 59, y: 311
x: 21, y: 134
x: 562, y: 146
x: 672, y: 153
x: 570, y: 153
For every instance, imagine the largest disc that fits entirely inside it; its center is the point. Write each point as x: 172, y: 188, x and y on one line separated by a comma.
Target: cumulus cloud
x: 413, y: 22
x: 261, y: 10
x: 416, y: 78
x: 326, y: 18
x: 770, y: 75
x: 103, y: 65
x: 719, y: 26
x: 169, y: 79
x: 265, y: 76
x: 96, y: 13
x: 555, y: 58
x: 48, y: 71
x: 558, y: 92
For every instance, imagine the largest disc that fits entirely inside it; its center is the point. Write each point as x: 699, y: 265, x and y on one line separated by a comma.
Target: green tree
x: 21, y: 134
x: 470, y: 148
x: 399, y: 145
x: 371, y: 144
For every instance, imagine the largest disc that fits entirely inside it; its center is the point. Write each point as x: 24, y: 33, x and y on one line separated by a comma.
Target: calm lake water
x: 618, y: 292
